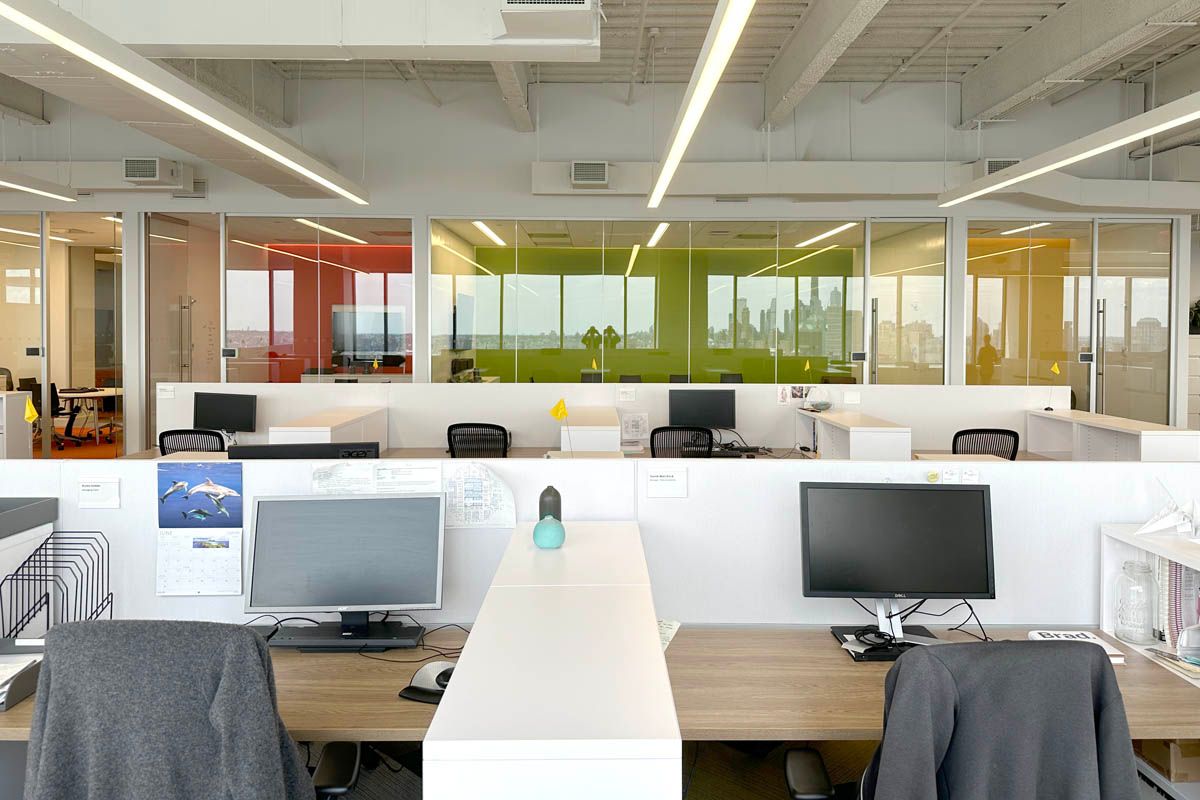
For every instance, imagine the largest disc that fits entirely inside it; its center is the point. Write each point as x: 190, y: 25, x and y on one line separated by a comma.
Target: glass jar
x: 1135, y: 596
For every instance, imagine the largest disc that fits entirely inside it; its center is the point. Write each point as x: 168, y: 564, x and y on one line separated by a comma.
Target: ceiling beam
x: 828, y: 28
x: 22, y: 101
x: 1069, y: 44
x: 513, y: 77
x: 256, y: 86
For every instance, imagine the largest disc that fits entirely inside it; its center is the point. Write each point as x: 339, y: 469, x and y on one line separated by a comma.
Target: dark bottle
x: 550, y: 504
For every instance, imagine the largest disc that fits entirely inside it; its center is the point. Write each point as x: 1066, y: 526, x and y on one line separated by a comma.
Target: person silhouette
x: 986, y: 360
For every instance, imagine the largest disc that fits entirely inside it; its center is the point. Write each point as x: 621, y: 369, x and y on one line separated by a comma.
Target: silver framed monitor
x: 349, y: 555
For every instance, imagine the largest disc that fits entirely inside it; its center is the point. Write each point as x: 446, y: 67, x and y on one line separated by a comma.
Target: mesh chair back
x: 680, y: 379
x: 629, y: 379
x: 477, y: 440
x: 832, y: 379
x: 681, y: 441
x: 591, y: 377
x: 987, y: 441
x: 195, y: 441
x: 731, y: 377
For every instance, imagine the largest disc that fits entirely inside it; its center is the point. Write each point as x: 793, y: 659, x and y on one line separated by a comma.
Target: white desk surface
x: 108, y: 392
x: 330, y: 418
x: 592, y: 417
x: 559, y: 672
x: 851, y: 420
x: 1118, y: 424
x: 956, y: 457
x: 191, y: 455
x: 594, y: 554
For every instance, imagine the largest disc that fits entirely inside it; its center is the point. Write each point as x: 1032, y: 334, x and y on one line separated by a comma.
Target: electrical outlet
x: 626, y: 394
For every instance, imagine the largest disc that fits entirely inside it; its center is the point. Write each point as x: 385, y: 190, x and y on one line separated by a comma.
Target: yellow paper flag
x: 31, y: 413
x: 807, y: 366
x: 1054, y: 368
x: 559, y: 412
x: 594, y: 364
x: 375, y: 364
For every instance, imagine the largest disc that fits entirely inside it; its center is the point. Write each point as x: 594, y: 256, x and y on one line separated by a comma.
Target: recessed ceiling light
x: 294, y: 255
x: 34, y: 235
x: 328, y: 230
x: 112, y: 219
x: 1026, y: 228
x: 168, y: 238
x: 632, y: 258
x: 827, y: 234
x: 488, y: 232
x: 658, y: 233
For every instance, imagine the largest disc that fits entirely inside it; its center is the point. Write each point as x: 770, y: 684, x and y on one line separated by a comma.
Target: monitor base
x: 844, y: 632
x: 334, y: 637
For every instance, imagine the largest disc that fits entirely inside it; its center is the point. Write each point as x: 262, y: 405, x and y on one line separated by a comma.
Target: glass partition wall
x: 313, y: 299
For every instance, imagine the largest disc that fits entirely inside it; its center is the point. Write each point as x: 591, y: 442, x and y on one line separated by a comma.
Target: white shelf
x: 1176, y: 791
x: 1168, y: 545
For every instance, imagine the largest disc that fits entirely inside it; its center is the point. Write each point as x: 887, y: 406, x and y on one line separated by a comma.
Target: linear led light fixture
x: 11, y: 179
x: 488, y: 232
x: 472, y: 262
x: 112, y: 219
x: 184, y: 241
x: 827, y: 234
x: 34, y: 235
x: 1164, y: 118
x: 972, y: 258
x: 293, y: 255
x: 1025, y: 228
x: 330, y: 231
x: 658, y: 233
x: 64, y: 30
x: 35, y: 247
x: 632, y: 258
x: 728, y: 21
x: 805, y: 257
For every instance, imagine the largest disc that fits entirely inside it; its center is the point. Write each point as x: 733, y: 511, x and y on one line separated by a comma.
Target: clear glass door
x: 21, y: 308
x: 1133, y: 320
x: 907, y: 317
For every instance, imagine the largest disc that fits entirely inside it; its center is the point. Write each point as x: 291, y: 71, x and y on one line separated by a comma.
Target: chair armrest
x: 806, y: 776
x: 337, y: 769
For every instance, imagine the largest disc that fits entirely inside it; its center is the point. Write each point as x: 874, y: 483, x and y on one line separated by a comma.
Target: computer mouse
x: 429, y: 683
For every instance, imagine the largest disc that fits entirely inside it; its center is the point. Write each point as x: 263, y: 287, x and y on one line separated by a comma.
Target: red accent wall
x: 313, y: 311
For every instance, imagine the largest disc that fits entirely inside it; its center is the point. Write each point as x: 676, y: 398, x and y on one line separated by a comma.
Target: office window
x: 310, y: 297
x: 1028, y: 296
x: 908, y: 272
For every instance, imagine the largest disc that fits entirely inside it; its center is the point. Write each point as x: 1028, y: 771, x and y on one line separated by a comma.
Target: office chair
x: 629, y: 379
x: 26, y: 384
x: 991, y: 719
x: 731, y: 377
x: 7, y: 375
x: 57, y: 411
x: 391, y: 360
x: 838, y: 379
x: 679, y: 379
x: 591, y: 377
x: 193, y: 441
x: 681, y: 441
x: 478, y: 440
x: 987, y: 441
x: 168, y: 710
x: 107, y: 407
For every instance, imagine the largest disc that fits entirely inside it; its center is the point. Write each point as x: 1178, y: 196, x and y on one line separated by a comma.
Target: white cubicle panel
x: 334, y: 425
x: 419, y: 413
x: 728, y: 553
x: 1083, y: 436
x: 16, y: 435
x: 843, y: 434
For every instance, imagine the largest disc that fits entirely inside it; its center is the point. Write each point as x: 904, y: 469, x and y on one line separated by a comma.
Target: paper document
x: 11, y: 665
x: 370, y: 476
x: 477, y: 498
x: 667, y: 628
x: 192, y: 562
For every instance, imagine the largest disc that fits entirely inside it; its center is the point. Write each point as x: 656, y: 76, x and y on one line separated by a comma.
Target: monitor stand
x: 887, y: 620
x: 354, y: 634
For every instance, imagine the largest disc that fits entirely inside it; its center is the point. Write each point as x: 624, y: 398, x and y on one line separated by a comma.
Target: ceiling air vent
x: 990, y: 166
x: 151, y: 171
x: 551, y: 19
x: 199, y: 190
x: 589, y: 174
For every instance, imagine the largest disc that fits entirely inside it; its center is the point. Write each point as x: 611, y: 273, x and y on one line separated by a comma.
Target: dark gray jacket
x: 1003, y: 721
x: 159, y: 710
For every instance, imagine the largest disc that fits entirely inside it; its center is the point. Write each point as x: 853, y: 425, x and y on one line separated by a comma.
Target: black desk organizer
x: 65, y: 579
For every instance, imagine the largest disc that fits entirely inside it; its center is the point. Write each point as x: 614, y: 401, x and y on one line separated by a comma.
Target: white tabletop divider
x: 562, y: 688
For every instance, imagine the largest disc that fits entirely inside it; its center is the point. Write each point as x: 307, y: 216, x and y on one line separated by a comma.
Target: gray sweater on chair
x: 159, y: 710
x: 1003, y: 721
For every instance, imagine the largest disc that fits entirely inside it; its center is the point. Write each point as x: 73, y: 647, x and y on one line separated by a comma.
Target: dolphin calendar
x: 200, y: 510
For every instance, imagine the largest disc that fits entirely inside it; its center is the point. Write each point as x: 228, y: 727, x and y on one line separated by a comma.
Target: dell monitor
x: 352, y: 555
x: 228, y: 413
x: 895, y: 541
x: 247, y: 452
x: 702, y: 408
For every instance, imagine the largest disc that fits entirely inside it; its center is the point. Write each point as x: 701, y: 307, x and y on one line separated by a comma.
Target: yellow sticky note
x: 933, y: 476
x: 31, y: 413
x: 594, y: 364
x: 559, y: 411
x: 1054, y: 368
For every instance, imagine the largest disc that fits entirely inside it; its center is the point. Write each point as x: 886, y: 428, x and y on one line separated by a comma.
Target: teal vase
x: 549, y: 533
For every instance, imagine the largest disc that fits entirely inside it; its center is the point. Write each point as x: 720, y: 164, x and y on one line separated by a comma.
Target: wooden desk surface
x: 729, y: 683
x: 796, y: 684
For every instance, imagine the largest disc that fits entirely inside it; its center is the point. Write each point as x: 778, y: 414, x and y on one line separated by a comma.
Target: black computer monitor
x: 703, y: 408
x: 224, y: 412
x: 351, y: 554
x: 895, y: 541
x: 246, y: 452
